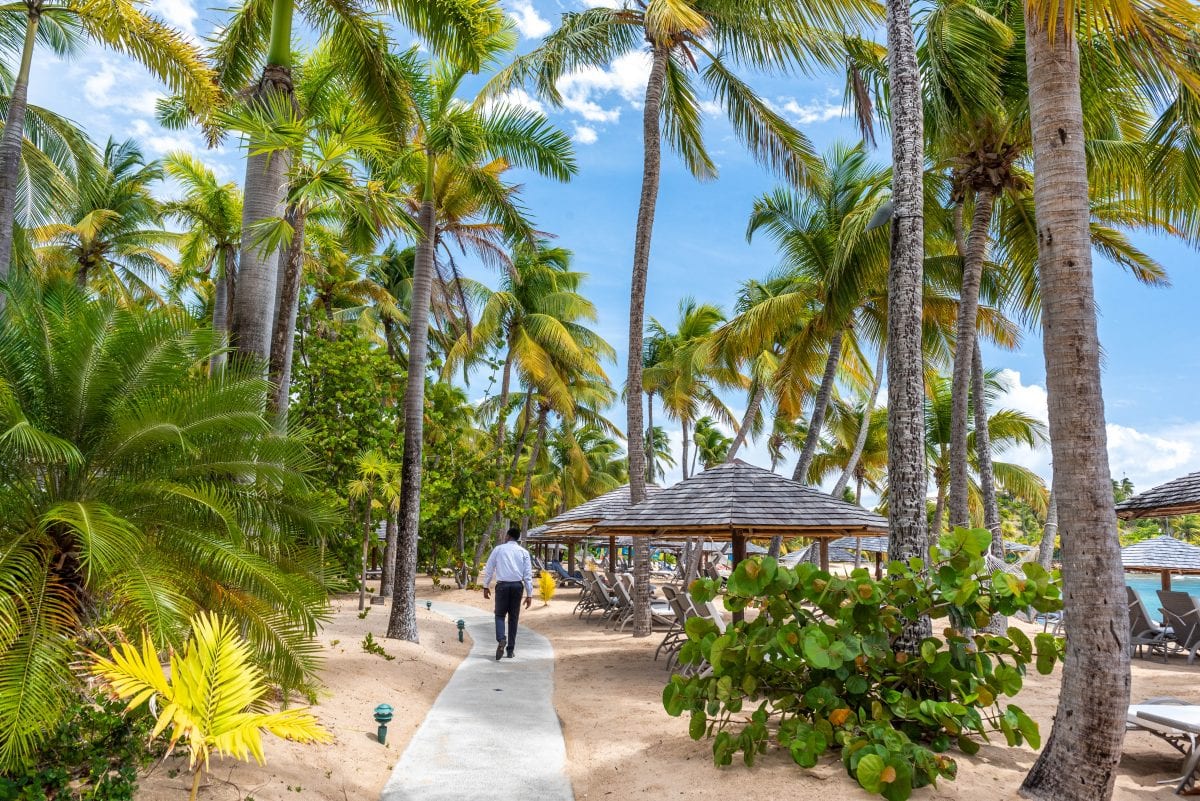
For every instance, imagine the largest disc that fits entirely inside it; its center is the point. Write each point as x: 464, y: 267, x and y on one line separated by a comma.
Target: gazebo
x: 737, y: 501
x: 1178, y: 497
x: 577, y: 523
x: 1164, y: 555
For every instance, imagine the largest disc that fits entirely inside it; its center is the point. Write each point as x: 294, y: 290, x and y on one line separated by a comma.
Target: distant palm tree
x: 679, y: 37
x: 712, y: 444
x: 211, y: 211
x: 112, y: 233
x: 455, y: 144
x: 686, y: 376
x: 869, y: 467
x: 120, y: 25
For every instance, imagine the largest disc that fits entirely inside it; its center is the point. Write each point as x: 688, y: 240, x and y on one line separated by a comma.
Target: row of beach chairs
x: 1179, y: 633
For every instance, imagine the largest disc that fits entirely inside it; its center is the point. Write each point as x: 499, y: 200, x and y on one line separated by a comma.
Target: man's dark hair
x: 514, y: 533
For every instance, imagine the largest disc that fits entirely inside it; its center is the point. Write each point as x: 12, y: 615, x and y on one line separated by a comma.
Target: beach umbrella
x: 1178, y: 497
x: 737, y: 501
x: 1164, y: 555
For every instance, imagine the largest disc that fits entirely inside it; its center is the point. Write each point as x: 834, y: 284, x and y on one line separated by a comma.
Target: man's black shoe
x: 500, y: 649
x: 509, y: 655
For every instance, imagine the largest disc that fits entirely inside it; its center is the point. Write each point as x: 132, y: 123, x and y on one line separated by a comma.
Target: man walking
x: 512, y: 568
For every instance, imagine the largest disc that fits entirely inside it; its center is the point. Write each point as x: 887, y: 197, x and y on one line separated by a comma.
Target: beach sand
x: 355, y: 767
x: 620, y: 742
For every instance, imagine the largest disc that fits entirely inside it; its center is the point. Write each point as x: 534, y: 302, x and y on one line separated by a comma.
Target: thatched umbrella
x: 1178, y: 497
x: 1164, y: 555
x: 577, y: 523
x: 738, y: 501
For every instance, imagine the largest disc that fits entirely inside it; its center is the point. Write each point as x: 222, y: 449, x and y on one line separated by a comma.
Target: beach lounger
x: 1144, y: 631
x: 1177, y: 723
x: 564, y: 578
x: 1183, y: 616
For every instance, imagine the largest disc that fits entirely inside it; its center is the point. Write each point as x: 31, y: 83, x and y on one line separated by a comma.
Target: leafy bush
x: 820, y: 667
x: 135, y: 489
x: 212, y: 698
x: 546, y: 586
x: 95, y: 755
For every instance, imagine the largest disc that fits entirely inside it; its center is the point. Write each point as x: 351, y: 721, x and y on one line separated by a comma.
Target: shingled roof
x: 599, y: 508
x: 1162, y: 554
x: 742, y: 498
x: 1178, y: 497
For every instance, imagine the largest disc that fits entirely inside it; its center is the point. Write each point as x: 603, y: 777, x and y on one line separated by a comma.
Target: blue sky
x: 1150, y: 336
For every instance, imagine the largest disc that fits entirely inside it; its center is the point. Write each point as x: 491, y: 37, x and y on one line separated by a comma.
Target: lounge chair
x: 1176, y: 722
x: 661, y: 613
x: 1183, y: 617
x: 1144, y: 631
x: 564, y: 578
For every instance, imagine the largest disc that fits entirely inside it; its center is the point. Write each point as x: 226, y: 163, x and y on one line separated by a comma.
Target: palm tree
x: 686, y: 376
x: 906, y: 464
x: 470, y: 147
x: 658, y: 446
x: 120, y: 25
x: 855, y: 448
x: 822, y: 233
x: 212, y: 214
x: 678, y: 37
x: 712, y: 445
x: 135, y: 490
x: 1080, y: 757
x: 358, y: 43
x: 112, y: 235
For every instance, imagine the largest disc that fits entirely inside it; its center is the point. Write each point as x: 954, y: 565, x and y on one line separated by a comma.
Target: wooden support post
x: 571, y: 557
x: 823, y: 544
x: 739, y: 553
x: 878, y: 565
x: 612, y: 553
x: 1166, y: 580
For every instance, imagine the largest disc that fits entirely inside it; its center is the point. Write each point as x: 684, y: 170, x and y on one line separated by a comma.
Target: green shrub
x: 95, y: 755
x: 819, y: 668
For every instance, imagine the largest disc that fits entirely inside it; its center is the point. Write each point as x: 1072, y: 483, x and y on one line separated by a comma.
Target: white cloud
x: 1149, y: 454
x: 583, y: 89
x: 159, y: 142
x: 528, y: 21
x: 585, y: 135
x: 179, y: 14
x: 517, y: 98
x: 816, y: 110
x: 711, y: 107
x: 601, y: 3
x: 110, y: 86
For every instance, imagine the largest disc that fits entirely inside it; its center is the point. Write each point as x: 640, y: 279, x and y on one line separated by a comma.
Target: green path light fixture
x: 461, y: 625
x: 428, y: 605
x: 383, y: 716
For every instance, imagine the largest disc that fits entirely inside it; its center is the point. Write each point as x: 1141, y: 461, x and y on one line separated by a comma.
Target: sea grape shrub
x: 818, y: 669
x: 95, y: 754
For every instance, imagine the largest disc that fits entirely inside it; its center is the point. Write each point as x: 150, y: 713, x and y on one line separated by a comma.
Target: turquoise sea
x: 1147, y: 585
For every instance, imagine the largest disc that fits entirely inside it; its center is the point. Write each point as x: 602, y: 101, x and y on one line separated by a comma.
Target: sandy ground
x: 355, y: 767
x: 620, y: 742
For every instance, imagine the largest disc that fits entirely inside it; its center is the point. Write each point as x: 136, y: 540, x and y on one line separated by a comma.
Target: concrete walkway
x: 493, y: 732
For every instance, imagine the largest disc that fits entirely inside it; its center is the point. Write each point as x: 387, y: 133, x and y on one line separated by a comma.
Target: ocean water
x: 1147, y: 585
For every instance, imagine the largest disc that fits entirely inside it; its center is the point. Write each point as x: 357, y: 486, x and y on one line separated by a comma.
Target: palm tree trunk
x: 964, y: 355
x: 983, y: 449
x: 264, y: 195
x: 683, y: 463
x: 222, y: 302
x: 1079, y: 759
x: 864, y: 428
x: 534, y: 453
x: 817, y: 422
x: 1049, y: 533
x: 650, y: 458
x: 283, y: 339
x: 756, y: 399
x: 906, y: 390
x: 10, y: 147
x: 651, y: 168
x: 402, y: 623
x: 387, y: 571
x: 366, y: 549
x: 939, y: 513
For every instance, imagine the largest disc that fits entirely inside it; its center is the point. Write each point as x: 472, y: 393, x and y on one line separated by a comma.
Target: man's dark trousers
x: 508, y: 604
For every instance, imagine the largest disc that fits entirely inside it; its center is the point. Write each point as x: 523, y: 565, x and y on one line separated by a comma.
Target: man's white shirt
x: 509, y: 562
